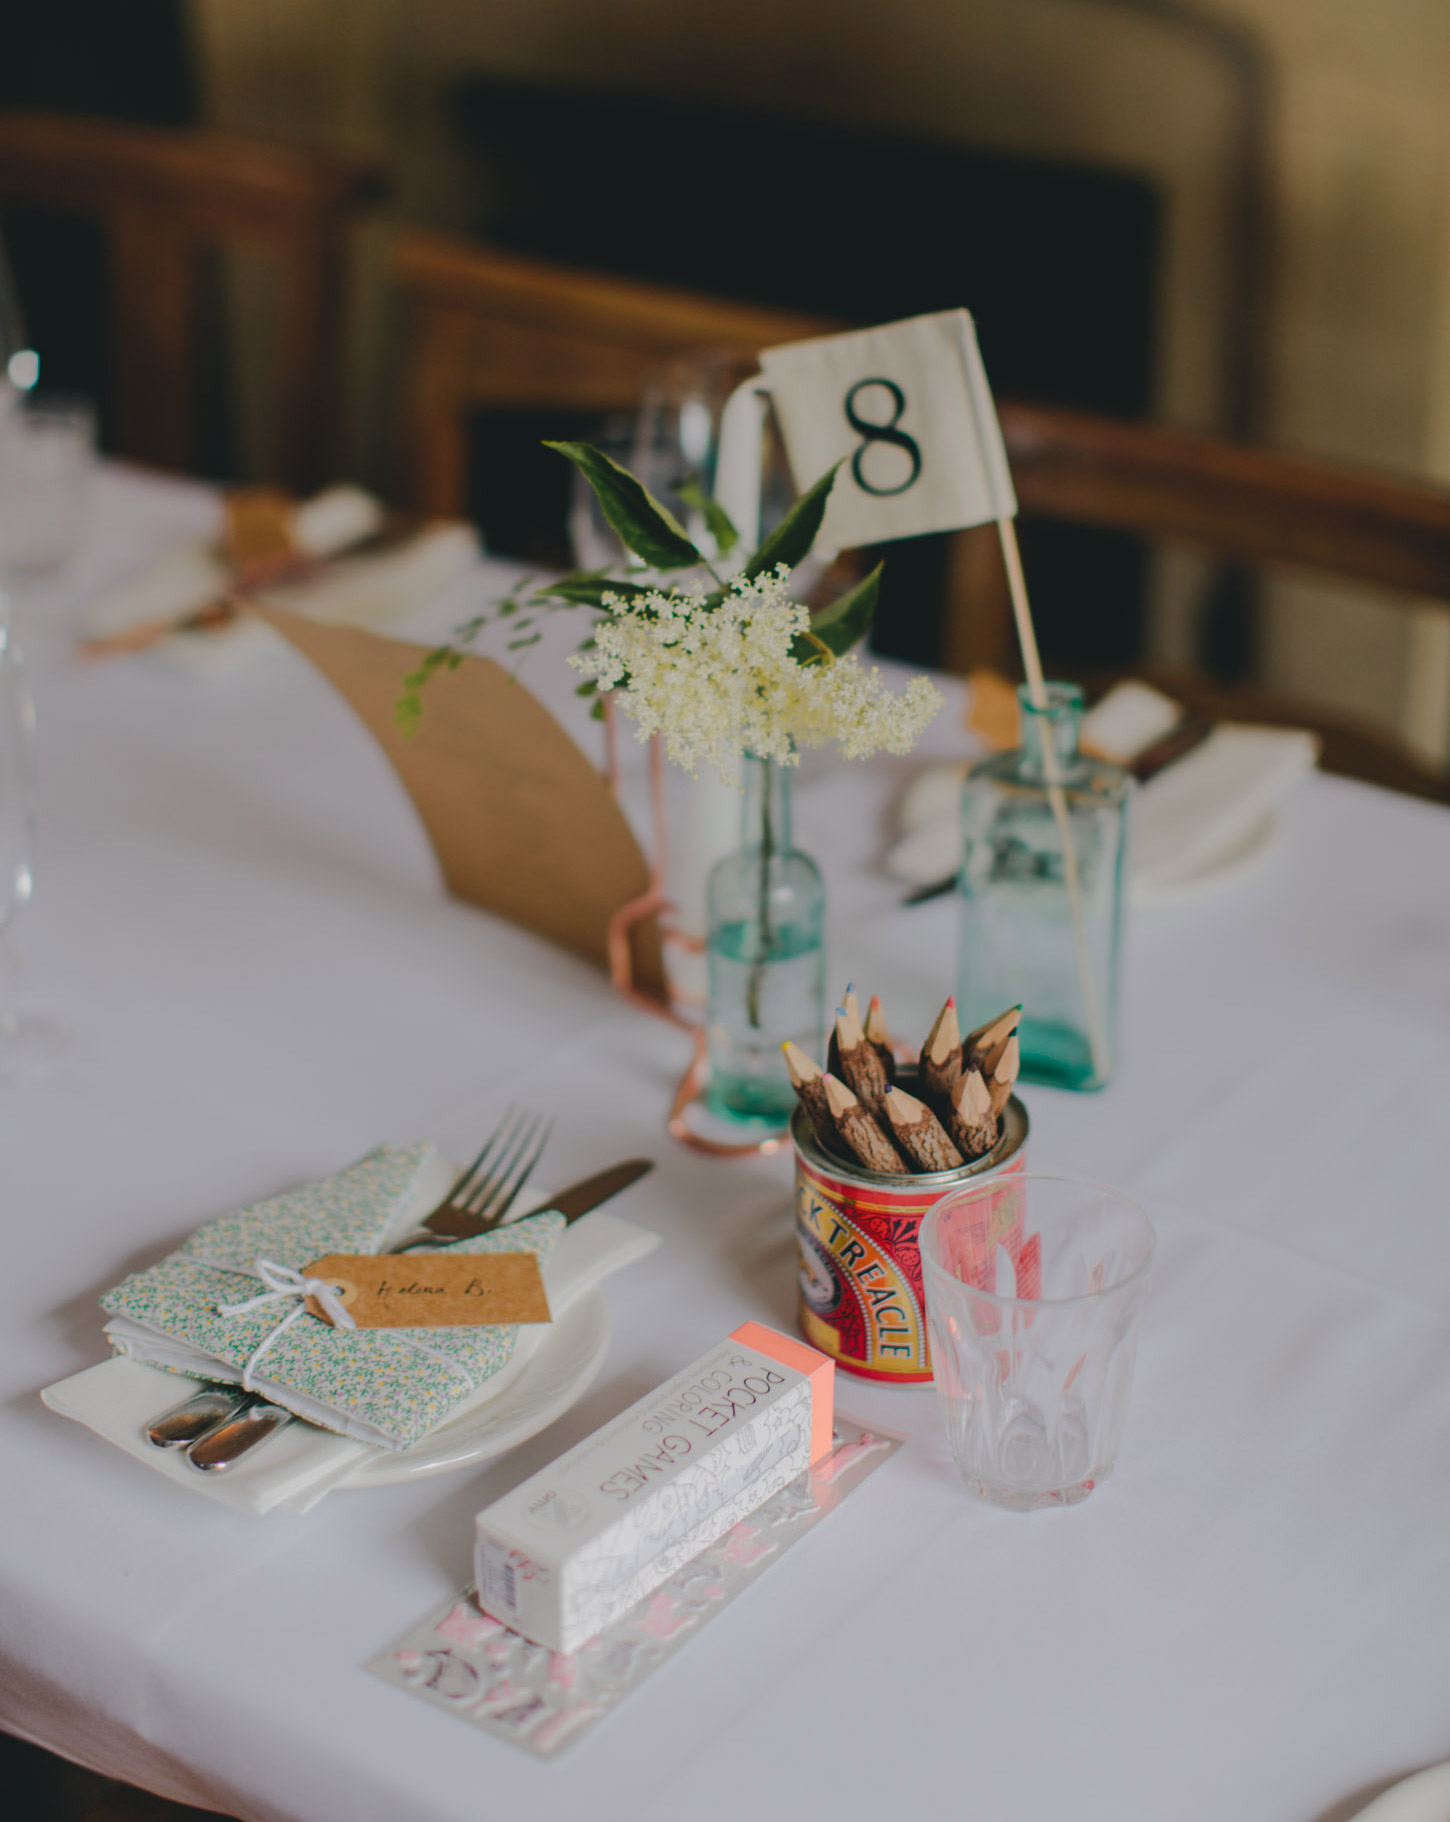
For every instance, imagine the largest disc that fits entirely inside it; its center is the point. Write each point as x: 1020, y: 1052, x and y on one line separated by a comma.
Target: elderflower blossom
x: 718, y: 681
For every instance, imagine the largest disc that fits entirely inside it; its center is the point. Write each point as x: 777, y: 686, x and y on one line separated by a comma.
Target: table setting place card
x: 300, y: 1298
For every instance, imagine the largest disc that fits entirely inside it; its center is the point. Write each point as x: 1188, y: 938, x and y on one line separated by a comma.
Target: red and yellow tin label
x: 860, y: 1272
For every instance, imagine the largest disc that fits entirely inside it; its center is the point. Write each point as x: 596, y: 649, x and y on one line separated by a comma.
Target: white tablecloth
x: 239, y: 914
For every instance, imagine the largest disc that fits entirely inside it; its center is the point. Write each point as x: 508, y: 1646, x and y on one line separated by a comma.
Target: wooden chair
x: 162, y: 198
x: 1259, y: 506
x: 494, y: 329
x: 490, y: 328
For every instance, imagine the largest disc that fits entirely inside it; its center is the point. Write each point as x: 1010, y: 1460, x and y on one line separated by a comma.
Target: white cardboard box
x: 580, y: 1542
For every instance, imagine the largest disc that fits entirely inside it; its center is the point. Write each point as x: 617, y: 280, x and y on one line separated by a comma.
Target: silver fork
x: 216, y: 1428
x: 480, y: 1199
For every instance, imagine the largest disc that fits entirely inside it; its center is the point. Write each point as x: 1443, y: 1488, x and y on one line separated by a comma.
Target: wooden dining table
x: 237, y: 912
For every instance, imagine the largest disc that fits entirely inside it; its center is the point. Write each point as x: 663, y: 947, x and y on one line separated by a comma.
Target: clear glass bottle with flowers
x: 713, y: 657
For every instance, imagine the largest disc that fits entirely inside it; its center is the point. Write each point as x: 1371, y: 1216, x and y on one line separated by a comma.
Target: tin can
x: 860, y: 1272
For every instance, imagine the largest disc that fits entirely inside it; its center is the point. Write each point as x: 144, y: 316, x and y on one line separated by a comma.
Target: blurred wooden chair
x: 1258, y: 506
x: 164, y: 198
x: 490, y: 328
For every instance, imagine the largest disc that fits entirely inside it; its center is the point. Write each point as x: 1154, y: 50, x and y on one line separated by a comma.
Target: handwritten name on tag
x: 434, y: 1290
x: 907, y: 412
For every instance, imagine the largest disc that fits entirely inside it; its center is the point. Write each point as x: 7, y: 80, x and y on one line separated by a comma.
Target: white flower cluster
x: 720, y: 681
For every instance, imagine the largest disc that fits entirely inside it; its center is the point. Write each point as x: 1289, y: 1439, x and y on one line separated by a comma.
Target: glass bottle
x: 1044, y: 857
x: 766, y: 956
x: 31, y: 1045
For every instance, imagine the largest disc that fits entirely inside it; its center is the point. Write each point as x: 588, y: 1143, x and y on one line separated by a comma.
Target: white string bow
x: 284, y: 1282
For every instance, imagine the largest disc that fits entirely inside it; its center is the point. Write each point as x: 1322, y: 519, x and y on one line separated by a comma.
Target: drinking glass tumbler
x: 47, y: 455
x: 1033, y: 1286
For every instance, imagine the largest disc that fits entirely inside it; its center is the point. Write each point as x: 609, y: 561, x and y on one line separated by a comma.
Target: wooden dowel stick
x: 1057, y: 801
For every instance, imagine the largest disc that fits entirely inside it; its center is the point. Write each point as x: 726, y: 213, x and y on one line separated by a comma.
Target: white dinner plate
x: 1425, y: 1797
x: 560, y: 1371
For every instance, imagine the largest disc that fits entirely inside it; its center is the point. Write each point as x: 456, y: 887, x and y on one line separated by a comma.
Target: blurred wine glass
x: 593, y: 541
x: 19, y: 363
x: 677, y: 431
x: 47, y: 455
x: 30, y: 1045
x: 671, y: 442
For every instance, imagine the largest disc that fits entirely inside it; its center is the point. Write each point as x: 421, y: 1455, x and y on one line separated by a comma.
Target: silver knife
x: 581, y: 1197
x: 224, y: 1443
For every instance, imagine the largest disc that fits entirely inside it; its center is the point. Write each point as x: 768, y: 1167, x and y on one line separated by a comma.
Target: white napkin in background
x: 370, y: 590
x: 188, y: 577
x: 1197, y: 817
x: 1193, y: 823
x: 302, y: 1464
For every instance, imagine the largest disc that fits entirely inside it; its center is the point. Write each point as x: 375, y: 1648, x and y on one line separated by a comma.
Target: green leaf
x: 792, y: 539
x: 721, y: 525
x: 587, y: 688
x: 841, y: 625
x: 408, y: 714
x: 590, y: 592
x: 645, y: 526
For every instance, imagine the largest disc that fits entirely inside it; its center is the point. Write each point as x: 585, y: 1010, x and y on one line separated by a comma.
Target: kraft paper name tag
x: 907, y: 412
x: 434, y: 1290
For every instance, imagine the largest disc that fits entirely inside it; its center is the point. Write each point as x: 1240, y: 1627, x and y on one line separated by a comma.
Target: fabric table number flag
x: 907, y: 412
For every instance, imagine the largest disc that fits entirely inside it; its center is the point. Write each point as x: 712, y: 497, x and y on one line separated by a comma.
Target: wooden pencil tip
x: 839, y: 1097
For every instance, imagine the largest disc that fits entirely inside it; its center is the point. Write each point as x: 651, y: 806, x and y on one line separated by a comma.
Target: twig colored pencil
x: 879, y: 1038
x: 1004, y: 1076
x: 973, y: 1124
x: 988, y: 1041
x: 859, y: 1132
x: 808, y: 1080
x: 858, y: 1061
x: 941, y: 1054
x: 919, y: 1133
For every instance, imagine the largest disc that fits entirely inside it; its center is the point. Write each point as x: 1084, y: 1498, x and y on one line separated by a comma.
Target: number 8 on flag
x: 907, y: 412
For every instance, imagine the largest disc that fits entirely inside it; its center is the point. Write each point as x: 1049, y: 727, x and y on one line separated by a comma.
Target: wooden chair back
x: 1258, y: 506
x: 1236, y: 500
x: 164, y: 197
x: 490, y: 328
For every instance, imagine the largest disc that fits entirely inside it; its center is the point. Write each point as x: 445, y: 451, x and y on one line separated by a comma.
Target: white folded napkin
x: 302, y: 1464
x: 371, y: 589
x: 188, y: 577
x: 1193, y: 822
x: 1196, y: 817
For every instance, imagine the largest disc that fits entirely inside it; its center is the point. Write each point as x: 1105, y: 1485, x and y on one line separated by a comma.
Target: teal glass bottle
x: 766, y: 957
x: 1044, y: 867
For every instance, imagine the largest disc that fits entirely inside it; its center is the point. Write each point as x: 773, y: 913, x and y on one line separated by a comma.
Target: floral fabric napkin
x: 385, y: 1386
